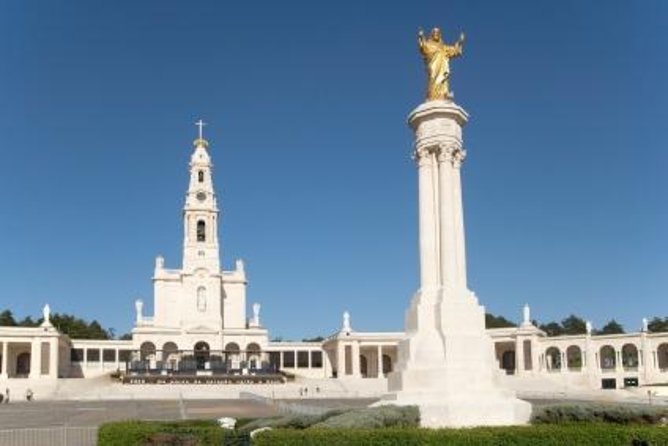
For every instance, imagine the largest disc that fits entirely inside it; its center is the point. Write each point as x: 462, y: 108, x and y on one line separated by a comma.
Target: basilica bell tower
x: 200, y: 213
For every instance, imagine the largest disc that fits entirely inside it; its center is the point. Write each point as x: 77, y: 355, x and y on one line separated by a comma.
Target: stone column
x: 340, y: 359
x: 458, y: 155
x: 428, y: 208
x: 53, y: 358
x: 379, y: 360
x: 647, y: 364
x: 5, y: 360
x: 355, y: 353
x: 36, y: 359
x: 519, y: 355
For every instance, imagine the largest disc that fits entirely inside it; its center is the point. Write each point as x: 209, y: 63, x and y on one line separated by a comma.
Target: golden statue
x: 437, y: 55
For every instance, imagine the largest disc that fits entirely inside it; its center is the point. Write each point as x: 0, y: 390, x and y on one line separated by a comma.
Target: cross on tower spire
x: 200, y: 141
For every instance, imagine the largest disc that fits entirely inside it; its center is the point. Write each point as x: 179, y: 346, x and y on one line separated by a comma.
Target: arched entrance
x: 574, y: 357
x: 553, y: 359
x: 607, y: 357
x: 201, y: 355
x: 23, y: 364
x: 662, y: 356
x: 232, y: 355
x: 170, y: 354
x: 147, y: 351
x: 630, y: 356
x: 253, y: 356
x: 508, y: 361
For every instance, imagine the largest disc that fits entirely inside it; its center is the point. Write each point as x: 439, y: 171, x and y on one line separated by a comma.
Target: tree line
x: 68, y: 324
x: 575, y: 325
x: 78, y: 328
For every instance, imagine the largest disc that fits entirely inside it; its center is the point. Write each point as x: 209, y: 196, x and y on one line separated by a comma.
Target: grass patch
x: 594, y: 434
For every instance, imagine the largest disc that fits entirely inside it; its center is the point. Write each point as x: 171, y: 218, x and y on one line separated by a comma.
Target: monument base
x: 440, y: 409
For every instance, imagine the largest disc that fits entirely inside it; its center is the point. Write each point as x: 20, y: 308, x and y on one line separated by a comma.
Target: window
x: 302, y: 359
x: 201, y: 299
x: 200, y: 176
x: 77, y: 355
x: 201, y: 231
x: 92, y: 355
x: 124, y: 355
x: 109, y: 355
x: 316, y: 359
x: 289, y: 360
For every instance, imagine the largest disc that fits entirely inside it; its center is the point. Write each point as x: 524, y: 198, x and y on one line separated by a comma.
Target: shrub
x: 608, y: 413
x: 373, y: 417
x: 544, y: 435
x: 288, y: 421
x: 181, y: 433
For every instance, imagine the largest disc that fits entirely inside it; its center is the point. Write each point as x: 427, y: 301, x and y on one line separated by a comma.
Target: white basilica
x: 200, y: 332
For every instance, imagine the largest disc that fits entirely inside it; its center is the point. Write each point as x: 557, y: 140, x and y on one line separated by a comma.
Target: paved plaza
x: 40, y: 414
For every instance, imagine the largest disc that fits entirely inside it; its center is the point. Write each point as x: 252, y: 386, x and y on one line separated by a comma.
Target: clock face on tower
x: 201, y: 196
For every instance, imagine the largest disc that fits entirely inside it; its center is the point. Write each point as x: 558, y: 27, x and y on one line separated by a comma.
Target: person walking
x: 7, y: 395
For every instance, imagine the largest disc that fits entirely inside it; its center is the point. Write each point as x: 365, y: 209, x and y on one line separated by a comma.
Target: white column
x: 5, y: 360
x: 118, y: 366
x: 428, y: 225
x: 535, y: 356
x: 647, y: 366
x: 448, y: 263
x: 35, y: 359
x: 340, y: 359
x: 379, y: 360
x: 460, y: 247
x: 102, y: 359
x: 53, y: 358
x: 355, y: 353
x: 519, y: 356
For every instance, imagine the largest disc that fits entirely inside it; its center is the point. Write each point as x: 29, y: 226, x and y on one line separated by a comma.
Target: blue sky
x: 564, y: 184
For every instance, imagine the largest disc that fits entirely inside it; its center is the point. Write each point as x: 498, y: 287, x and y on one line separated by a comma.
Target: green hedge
x: 196, y: 432
x: 544, y: 435
x: 608, y: 413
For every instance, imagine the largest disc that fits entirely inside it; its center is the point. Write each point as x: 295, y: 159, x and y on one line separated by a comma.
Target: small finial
x: 346, y: 322
x: 200, y: 141
x: 46, y: 314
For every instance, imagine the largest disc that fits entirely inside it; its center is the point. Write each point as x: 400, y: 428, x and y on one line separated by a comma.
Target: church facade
x: 201, y: 327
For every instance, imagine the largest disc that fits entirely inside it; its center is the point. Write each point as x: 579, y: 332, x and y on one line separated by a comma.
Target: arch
x: 232, y: 347
x: 574, y: 357
x: 200, y: 176
x: 201, y: 299
x: 23, y: 364
x: 201, y: 351
x: 508, y: 361
x: 169, y: 348
x: 253, y: 351
x: 662, y: 356
x: 629, y: 356
x: 232, y: 355
x: 201, y: 231
x: 364, y: 366
x: 553, y: 358
x: 146, y: 350
x: 607, y: 357
x: 387, y: 364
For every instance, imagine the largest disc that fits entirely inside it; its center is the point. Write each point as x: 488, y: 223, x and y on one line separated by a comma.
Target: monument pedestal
x: 446, y: 363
